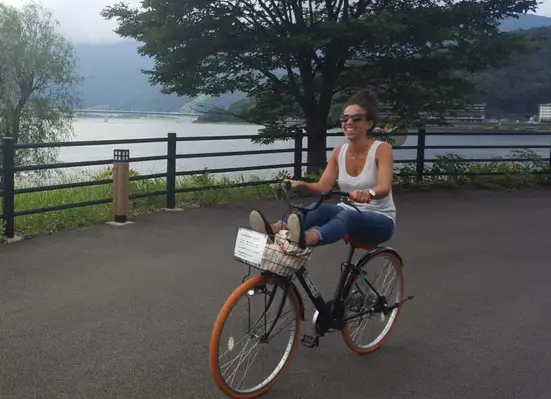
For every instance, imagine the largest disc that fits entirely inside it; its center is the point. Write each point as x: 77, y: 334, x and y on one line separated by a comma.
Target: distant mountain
x: 516, y: 89
x: 527, y: 21
x: 113, y: 77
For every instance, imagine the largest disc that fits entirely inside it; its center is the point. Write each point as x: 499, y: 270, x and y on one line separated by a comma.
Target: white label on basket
x: 249, y: 246
x: 310, y: 284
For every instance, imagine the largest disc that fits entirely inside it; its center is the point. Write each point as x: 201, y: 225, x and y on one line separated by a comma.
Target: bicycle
x: 279, y: 266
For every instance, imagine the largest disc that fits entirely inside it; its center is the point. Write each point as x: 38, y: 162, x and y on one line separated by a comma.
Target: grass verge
x: 50, y: 222
x: 449, y: 171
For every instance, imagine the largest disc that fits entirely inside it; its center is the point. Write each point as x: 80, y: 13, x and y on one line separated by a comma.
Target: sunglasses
x: 353, y: 118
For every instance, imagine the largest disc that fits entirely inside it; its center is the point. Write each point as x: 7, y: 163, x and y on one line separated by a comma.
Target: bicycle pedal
x: 310, y: 341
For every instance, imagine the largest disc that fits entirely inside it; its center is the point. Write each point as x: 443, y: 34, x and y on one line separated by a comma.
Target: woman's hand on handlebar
x: 294, y: 183
x: 284, y: 187
x: 361, y: 196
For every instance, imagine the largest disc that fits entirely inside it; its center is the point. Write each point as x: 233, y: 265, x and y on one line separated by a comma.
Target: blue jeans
x: 334, y: 222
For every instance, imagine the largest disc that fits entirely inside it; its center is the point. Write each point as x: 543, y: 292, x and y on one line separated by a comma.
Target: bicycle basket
x: 282, y: 257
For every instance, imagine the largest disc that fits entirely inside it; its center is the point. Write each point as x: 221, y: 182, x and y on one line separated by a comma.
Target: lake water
x: 126, y: 128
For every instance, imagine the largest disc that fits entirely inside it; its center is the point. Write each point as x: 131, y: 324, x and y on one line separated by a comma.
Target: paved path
x: 106, y: 312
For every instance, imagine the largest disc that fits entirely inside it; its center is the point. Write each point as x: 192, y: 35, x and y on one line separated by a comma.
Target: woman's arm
x: 328, y: 178
x: 385, y: 170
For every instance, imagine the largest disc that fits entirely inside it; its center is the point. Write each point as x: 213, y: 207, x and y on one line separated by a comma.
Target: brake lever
x: 347, y: 201
x: 281, y: 188
x: 283, y: 191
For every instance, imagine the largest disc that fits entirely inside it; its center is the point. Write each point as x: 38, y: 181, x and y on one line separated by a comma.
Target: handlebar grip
x: 286, y: 185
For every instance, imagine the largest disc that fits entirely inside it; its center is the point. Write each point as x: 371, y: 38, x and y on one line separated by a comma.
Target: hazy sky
x: 80, y: 20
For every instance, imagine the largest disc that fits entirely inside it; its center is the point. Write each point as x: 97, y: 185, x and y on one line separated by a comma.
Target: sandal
x: 295, y: 230
x: 258, y: 222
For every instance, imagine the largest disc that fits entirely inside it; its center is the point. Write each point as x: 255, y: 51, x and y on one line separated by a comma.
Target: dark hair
x: 369, y: 101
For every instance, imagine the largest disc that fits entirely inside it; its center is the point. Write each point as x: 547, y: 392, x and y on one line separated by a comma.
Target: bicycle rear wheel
x: 263, y: 330
x: 361, y: 297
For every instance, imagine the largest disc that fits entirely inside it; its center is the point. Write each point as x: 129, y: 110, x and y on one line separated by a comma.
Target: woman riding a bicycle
x: 369, y: 292
x: 364, y: 168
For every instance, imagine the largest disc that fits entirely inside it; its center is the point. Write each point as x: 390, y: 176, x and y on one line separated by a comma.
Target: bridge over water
x: 126, y: 312
x: 133, y: 113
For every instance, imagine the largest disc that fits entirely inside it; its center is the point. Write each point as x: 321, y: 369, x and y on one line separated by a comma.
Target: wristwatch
x: 372, y: 193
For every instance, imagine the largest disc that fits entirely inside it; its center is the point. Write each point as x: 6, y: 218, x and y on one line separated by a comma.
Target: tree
x: 37, y: 80
x: 297, y: 58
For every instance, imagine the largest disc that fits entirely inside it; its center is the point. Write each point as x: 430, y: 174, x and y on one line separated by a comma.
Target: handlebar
x: 285, y: 186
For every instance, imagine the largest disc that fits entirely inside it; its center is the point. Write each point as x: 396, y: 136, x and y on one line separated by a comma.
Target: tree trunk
x: 316, y: 131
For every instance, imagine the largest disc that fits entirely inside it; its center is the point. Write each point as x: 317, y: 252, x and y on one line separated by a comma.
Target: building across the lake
x: 544, y: 113
x: 477, y: 113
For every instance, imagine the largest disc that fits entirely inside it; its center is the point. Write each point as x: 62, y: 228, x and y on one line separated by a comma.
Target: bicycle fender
x: 377, y: 251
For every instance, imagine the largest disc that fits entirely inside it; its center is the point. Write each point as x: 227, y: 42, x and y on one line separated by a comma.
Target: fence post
x: 297, y: 173
x: 171, y: 173
x: 121, y: 183
x: 421, y: 138
x: 8, y: 189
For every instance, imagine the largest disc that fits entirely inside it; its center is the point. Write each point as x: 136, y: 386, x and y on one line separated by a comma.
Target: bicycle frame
x: 347, y: 277
x: 334, y: 317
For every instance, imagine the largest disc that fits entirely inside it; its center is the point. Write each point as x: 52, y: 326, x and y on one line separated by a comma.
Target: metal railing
x: 9, y: 169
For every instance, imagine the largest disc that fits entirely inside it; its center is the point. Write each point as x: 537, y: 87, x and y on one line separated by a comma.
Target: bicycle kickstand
x: 389, y: 309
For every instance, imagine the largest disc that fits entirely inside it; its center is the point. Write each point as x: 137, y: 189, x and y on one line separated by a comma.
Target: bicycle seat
x: 368, y: 246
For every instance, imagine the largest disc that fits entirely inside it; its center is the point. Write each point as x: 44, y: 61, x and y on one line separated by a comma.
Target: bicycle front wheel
x: 232, y: 355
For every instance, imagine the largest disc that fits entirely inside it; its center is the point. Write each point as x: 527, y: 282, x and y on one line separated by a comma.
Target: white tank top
x: 365, y: 180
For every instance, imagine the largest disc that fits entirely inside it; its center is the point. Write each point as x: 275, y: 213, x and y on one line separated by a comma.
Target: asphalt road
x: 106, y: 312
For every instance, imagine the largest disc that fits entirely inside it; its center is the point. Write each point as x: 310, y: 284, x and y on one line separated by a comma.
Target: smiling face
x: 354, y: 122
